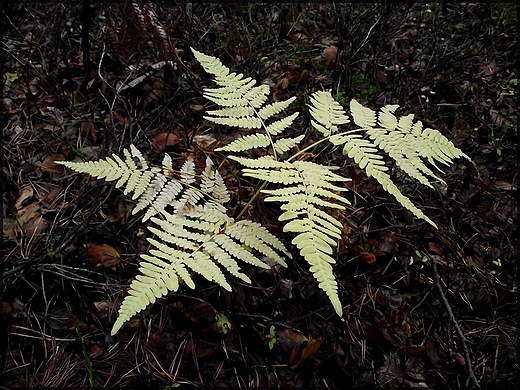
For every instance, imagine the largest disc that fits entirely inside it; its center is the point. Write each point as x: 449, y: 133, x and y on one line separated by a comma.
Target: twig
x: 464, y: 340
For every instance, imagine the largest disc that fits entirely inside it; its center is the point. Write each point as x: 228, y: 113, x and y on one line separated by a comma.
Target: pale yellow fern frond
x: 392, y: 138
x: 310, y: 188
x: 267, y: 162
x: 363, y: 152
x: 434, y: 146
x: 285, y: 144
x: 386, y: 182
x: 244, y: 122
x: 405, y: 142
x: 272, y: 109
x: 327, y: 113
x: 247, y: 142
x: 197, y: 237
x: 203, y: 240
x: 244, y: 105
x: 113, y: 168
x: 281, y: 125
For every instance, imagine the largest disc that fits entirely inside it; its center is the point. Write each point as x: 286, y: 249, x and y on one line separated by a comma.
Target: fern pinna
x: 192, y: 231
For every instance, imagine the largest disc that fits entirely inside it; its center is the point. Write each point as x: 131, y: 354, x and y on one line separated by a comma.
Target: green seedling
x: 271, y: 337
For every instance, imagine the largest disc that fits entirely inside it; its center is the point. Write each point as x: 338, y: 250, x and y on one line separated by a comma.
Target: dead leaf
x: 295, y: 76
x: 94, y: 350
x: 416, y: 349
x: 53, y: 193
x: 299, y: 346
x: 133, y: 323
x: 288, y: 338
x: 457, y: 359
x: 311, y: 347
x: 162, y: 140
x: 49, y: 165
x: 367, y: 257
x: 433, y: 247
x: 115, y: 212
x: 6, y: 311
x: 104, y: 306
x: 102, y: 255
x: 29, y: 212
x: 49, y: 101
x: 489, y: 69
x: 436, y: 353
x: 205, y: 141
x: 505, y: 186
x: 156, y: 344
x: 25, y: 194
x: 386, y: 243
x: 36, y: 226
x: 332, y: 60
x: 9, y: 228
x: 197, y: 108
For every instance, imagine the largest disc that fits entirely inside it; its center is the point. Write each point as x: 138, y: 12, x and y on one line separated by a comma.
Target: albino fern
x: 204, y: 240
x: 245, y: 105
x: 195, y: 236
x: 192, y: 233
x: 403, y: 141
x: 306, y: 189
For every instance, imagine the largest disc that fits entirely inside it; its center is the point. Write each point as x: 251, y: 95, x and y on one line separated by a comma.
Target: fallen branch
x: 464, y: 340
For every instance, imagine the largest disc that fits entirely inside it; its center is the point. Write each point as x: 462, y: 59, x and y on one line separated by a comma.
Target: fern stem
x: 293, y: 157
x: 255, y: 195
x: 265, y: 183
x: 272, y: 146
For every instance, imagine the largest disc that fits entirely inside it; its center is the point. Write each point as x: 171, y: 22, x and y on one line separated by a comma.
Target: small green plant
x: 192, y: 230
x: 87, y: 359
x: 271, y: 337
x: 224, y: 323
x: 497, y: 263
x: 341, y: 98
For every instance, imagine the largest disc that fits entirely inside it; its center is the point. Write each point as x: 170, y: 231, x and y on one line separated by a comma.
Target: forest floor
x: 409, y: 292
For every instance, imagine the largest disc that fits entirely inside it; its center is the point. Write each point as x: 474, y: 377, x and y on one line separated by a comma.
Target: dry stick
x: 464, y: 340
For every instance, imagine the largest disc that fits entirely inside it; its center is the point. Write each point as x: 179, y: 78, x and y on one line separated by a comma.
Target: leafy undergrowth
x: 71, y: 246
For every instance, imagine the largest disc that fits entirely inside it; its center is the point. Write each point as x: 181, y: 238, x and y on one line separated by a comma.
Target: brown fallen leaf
x: 331, y: 57
x: 162, y: 140
x: 49, y: 165
x: 367, y: 257
x: 416, y: 349
x: 295, y: 76
x: 436, y: 353
x: 28, y: 213
x: 102, y: 255
x: 433, y: 247
x: 104, y: 308
x: 288, y: 338
x: 54, y: 192
x: 6, y: 310
x: 25, y: 194
x: 36, y: 226
x: 311, y: 347
x: 205, y: 142
x: 197, y: 108
x: 386, y: 243
x: 299, y: 346
x: 116, y: 211
x: 9, y: 228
